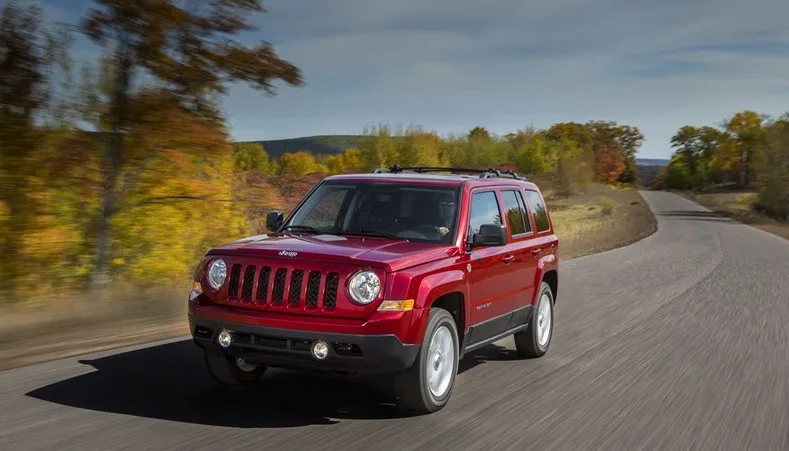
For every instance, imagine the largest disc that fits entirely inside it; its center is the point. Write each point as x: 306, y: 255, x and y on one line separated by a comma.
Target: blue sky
x: 505, y: 64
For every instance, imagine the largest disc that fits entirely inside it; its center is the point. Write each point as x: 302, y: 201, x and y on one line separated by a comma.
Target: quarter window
x: 537, y: 206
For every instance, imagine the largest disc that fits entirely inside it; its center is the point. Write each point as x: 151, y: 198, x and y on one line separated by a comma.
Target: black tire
x: 527, y: 342
x: 223, y: 369
x: 412, y: 386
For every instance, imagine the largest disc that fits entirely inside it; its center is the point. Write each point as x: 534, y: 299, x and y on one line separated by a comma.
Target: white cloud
x: 506, y: 64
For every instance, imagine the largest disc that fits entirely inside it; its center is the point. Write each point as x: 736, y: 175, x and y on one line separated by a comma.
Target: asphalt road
x: 679, y: 341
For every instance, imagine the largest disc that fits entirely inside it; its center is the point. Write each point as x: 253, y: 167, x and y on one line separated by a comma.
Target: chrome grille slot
x: 330, y: 294
x: 296, y: 278
x: 249, y: 280
x: 279, y: 286
x: 313, y: 288
x: 235, y: 274
x: 263, y: 279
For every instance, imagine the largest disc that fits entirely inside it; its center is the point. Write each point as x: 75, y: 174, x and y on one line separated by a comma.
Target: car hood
x: 391, y: 255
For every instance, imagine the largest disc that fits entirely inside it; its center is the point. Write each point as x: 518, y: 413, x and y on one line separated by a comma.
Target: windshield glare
x: 412, y: 212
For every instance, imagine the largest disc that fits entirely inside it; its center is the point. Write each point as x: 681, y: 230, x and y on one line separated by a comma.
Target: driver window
x: 484, y: 210
x: 324, y: 212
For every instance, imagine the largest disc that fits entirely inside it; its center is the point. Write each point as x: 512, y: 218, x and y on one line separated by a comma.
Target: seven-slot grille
x: 305, y: 288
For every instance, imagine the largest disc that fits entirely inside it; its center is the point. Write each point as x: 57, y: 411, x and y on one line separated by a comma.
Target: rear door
x: 544, y: 239
x: 543, y: 243
x: 522, y: 255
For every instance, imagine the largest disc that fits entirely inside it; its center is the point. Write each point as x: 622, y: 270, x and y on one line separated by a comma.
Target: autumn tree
x: 251, y: 157
x: 745, y: 129
x: 298, y: 163
x: 615, y: 146
x: 571, y: 159
x: 346, y: 162
x: 774, y: 169
x: 189, y: 52
x: 23, y: 92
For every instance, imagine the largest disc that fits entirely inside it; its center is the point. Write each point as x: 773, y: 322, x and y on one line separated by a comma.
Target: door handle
x: 508, y: 259
x: 536, y: 251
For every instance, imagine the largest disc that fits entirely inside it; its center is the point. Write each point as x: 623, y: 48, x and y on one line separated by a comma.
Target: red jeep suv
x: 398, y: 272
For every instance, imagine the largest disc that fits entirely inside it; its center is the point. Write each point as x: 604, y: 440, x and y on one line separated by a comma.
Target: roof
x: 434, y: 176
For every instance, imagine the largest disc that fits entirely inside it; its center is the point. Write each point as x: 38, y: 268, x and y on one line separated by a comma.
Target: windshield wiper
x: 363, y: 232
x: 301, y: 228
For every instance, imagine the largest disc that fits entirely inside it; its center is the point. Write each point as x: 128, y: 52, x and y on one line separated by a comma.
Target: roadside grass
x: 737, y: 205
x: 66, y: 325
x: 601, y: 219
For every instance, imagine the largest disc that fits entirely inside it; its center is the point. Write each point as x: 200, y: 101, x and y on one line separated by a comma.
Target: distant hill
x: 320, y: 144
x: 652, y: 161
x: 334, y: 144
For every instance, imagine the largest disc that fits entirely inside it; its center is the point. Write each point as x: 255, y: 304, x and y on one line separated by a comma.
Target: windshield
x: 399, y: 211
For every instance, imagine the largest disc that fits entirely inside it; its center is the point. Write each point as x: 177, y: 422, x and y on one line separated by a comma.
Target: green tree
x: 190, y: 53
x: 697, y: 146
x: 677, y: 174
x: 531, y: 154
x: 569, y: 167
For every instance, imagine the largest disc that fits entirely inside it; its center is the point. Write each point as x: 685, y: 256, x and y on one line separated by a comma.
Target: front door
x: 489, y: 279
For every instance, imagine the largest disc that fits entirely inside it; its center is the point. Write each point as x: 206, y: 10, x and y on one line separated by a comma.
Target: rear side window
x: 516, y: 213
x: 484, y: 210
x: 537, y: 206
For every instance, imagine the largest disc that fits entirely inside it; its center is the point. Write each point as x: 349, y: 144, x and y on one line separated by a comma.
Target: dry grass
x: 67, y: 325
x: 603, y: 218
x: 64, y: 326
x: 737, y: 205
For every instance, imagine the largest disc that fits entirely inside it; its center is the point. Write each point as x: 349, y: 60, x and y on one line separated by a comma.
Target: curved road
x: 679, y: 341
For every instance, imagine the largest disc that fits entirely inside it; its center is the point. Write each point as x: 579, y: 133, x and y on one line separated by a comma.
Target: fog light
x: 320, y: 350
x: 224, y: 339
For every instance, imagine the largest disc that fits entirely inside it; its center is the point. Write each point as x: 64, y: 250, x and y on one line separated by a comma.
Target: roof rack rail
x: 483, y: 173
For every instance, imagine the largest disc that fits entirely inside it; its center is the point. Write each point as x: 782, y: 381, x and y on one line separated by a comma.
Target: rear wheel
x: 232, y: 371
x: 536, y: 339
x: 427, y: 385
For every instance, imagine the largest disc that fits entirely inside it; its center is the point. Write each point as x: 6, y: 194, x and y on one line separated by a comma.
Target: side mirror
x: 490, y: 235
x: 274, y: 220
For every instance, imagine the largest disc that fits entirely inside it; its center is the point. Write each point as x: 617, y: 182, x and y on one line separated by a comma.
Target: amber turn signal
x: 396, y: 306
x: 197, y: 287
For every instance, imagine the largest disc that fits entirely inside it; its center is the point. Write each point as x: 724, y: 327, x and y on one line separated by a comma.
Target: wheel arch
x: 548, y: 272
x: 551, y: 277
x: 448, y: 290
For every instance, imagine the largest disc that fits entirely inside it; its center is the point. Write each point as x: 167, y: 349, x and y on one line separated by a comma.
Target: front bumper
x: 287, y: 348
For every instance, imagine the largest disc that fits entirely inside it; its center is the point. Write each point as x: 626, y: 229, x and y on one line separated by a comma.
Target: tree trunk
x: 744, y: 168
x: 112, y: 162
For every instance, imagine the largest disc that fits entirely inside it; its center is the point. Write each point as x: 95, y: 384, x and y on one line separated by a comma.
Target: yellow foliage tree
x: 298, y: 163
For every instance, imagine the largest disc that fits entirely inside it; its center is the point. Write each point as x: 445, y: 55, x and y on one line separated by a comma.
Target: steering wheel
x: 428, y: 231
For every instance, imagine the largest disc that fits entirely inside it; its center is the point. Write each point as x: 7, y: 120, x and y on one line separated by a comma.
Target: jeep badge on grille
x: 288, y: 253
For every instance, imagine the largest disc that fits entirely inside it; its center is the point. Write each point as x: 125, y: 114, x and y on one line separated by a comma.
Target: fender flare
x: 436, y: 285
x: 546, y: 264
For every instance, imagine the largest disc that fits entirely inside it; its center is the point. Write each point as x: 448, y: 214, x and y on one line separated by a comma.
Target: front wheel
x: 232, y: 371
x: 427, y: 385
x: 535, y: 340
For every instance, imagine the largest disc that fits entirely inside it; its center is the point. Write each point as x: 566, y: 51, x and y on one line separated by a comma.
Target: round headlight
x: 364, y: 287
x: 217, y: 273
